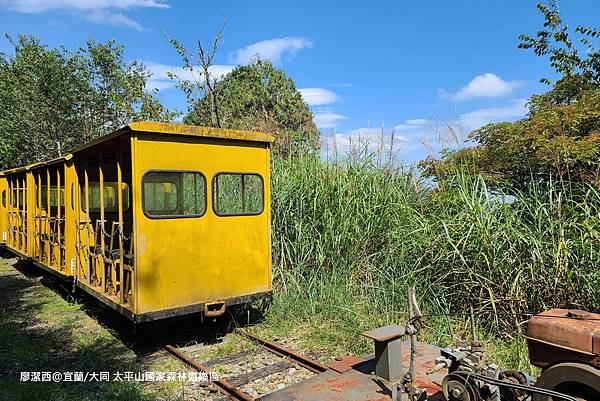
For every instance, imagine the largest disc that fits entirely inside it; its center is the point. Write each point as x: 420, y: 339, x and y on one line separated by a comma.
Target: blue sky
x: 415, y: 67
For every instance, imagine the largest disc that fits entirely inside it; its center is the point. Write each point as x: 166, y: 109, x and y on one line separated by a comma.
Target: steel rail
x: 225, y: 387
x: 304, y: 361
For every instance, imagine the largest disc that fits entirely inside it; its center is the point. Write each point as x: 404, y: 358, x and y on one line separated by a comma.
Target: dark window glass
x: 174, y: 194
x: 238, y: 194
x: 22, y: 195
x: 53, y: 199
x: 111, y: 199
x: 4, y: 198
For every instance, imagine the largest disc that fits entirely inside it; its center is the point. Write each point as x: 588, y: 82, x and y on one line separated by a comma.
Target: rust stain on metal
x: 336, y: 384
x: 431, y: 387
x: 225, y: 387
x: 302, y: 360
x: 352, y: 379
x: 342, y: 383
x: 563, y: 335
x: 344, y: 364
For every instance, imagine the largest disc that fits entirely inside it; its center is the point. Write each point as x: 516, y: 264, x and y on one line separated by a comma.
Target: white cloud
x: 415, y: 139
x: 318, y: 96
x: 413, y: 124
x: 380, y: 140
x: 478, y: 118
x: 161, y: 81
x: 39, y: 6
x: 485, y: 85
x: 98, y: 11
x: 405, y: 127
x: 117, y: 19
x: 272, y: 49
x: 327, y: 118
x: 417, y: 121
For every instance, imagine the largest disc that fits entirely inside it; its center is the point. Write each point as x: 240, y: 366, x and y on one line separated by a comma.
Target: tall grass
x: 350, y: 236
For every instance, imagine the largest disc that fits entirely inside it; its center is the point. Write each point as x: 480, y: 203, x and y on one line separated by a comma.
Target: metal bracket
x: 388, y: 351
x: 214, y: 309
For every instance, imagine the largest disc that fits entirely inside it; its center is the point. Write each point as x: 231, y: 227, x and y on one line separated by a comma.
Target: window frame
x: 214, y: 194
x: 173, y: 216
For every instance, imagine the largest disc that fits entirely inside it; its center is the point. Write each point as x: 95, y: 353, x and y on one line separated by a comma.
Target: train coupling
x: 214, y: 309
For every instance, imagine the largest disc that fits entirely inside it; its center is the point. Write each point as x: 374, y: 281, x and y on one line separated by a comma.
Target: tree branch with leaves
x: 202, y: 61
x: 559, y: 139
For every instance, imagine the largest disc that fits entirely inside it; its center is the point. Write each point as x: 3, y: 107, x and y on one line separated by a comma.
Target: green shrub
x: 349, y: 237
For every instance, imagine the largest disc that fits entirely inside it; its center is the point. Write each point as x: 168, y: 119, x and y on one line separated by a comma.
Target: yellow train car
x: 154, y: 220
x: 3, y: 207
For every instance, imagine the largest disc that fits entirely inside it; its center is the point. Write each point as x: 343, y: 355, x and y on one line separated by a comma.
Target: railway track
x: 241, y: 385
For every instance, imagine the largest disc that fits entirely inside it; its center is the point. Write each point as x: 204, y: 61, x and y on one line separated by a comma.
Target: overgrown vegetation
x: 349, y: 237
x: 510, y: 225
x: 52, y: 100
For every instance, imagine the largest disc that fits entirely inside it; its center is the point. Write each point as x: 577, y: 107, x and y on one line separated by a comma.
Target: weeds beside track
x: 350, y: 236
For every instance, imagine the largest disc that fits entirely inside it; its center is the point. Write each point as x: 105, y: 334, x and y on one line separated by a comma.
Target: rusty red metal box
x: 561, y: 335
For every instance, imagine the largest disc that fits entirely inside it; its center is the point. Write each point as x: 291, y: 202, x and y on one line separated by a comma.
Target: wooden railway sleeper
x: 225, y: 387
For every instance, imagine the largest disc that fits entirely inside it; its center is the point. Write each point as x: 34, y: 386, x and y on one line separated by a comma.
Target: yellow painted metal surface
x: 70, y: 231
x: 4, y: 199
x: 17, y: 212
x: 152, y: 127
x: 28, y: 214
x: 186, y: 261
x: 69, y: 216
x: 49, y: 210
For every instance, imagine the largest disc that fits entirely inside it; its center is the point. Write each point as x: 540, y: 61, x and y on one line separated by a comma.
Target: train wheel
x: 457, y: 388
x: 575, y: 379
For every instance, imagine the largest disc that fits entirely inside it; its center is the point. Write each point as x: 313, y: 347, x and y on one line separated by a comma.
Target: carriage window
x: 21, y: 195
x: 111, y: 199
x: 238, y: 194
x: 4, y: 198
x: 53, y: 199
x: 174, y: 194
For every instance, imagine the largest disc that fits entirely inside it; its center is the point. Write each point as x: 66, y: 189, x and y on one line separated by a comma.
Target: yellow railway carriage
x: 3, y: 206
x: 154, y: 220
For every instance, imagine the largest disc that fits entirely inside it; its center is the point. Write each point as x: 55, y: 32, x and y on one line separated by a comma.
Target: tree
x: 203, y: 86
x: 565, y: 57
x: 256, y: 97
x: 52, y: 100
x: 560, y: 137
x: 260, y: 97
